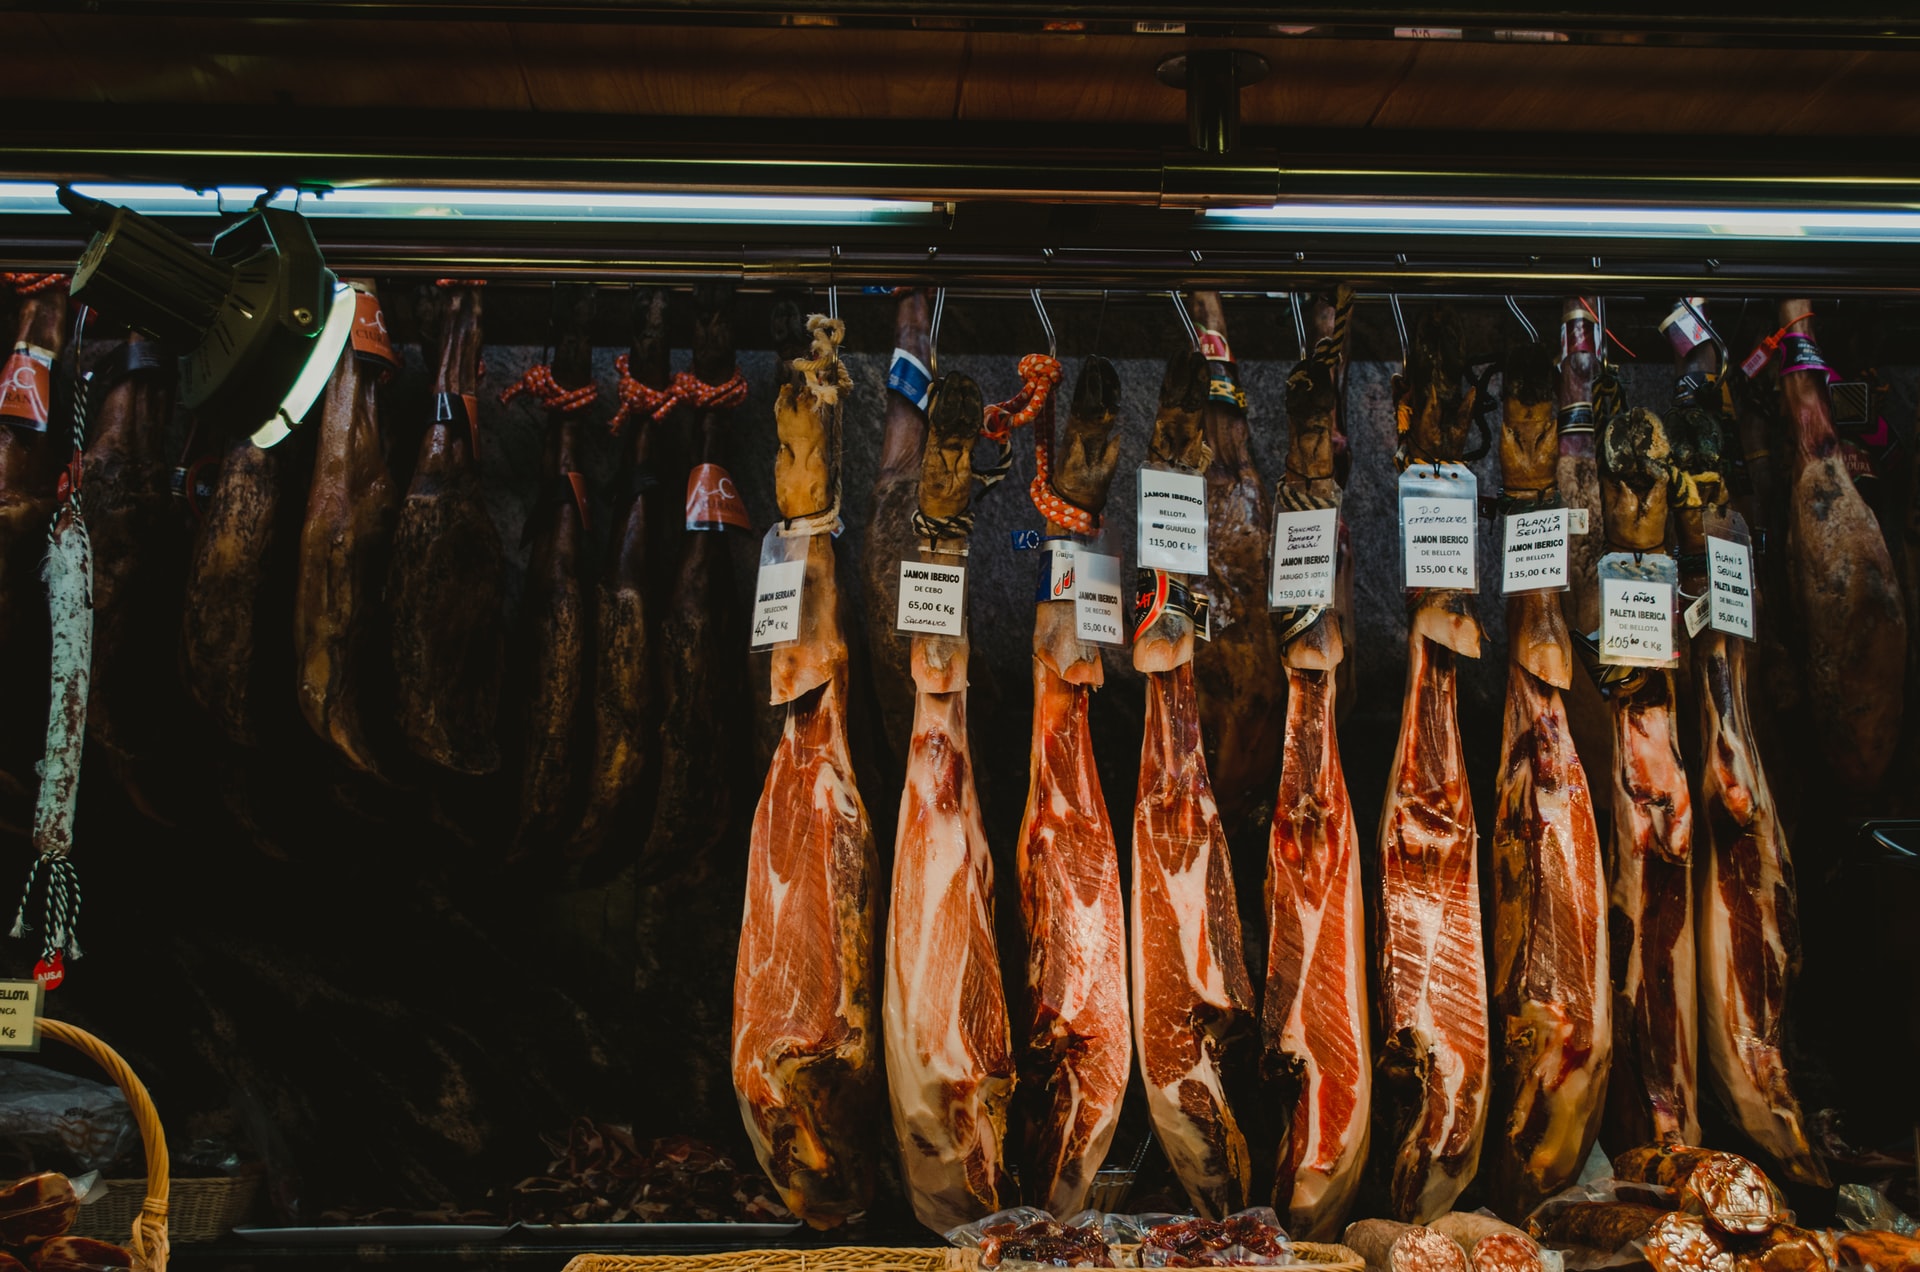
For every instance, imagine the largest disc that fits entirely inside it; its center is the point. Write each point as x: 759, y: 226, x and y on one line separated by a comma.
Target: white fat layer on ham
x: 949, y: 1054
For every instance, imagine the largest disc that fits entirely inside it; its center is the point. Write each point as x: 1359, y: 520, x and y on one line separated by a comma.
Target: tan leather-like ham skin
x: 134, y: 525
x: 221, y: 629
x: 625, y: 701
x: 339, y: 619
x: 556, y: 608
x: 1845, y: 589
x: 444, y: 587
x: 807, y: 1048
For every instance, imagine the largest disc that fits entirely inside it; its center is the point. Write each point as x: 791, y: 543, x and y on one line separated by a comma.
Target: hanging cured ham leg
x: 1073, y: 1072
x: 444, y: 588
x: 806, y: 1046
x: 1653, y: 1095
x: 703, y: 636
x: 338, y: 619
x: 33, y: 447
x: 1843, y: 579
x: 1192, y: 999
x: 889, y: 528
x: 1313, y: 1017
x: 1431, y: 1082
x: 1554, y: 1027
x: 1577, y: 476
x: 1746, y: 922
x: 554, y: 616
x: 625, y: 691
x: 950, y: 1065
x: 1239, y: 696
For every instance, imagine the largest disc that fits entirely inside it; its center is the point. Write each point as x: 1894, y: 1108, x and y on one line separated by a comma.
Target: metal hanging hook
x: 1299, y: 323
x: 1046, y: 323
x: 1600, y: 325
x: 933, y: 331
x: 1399, y: 326
x: 1533, y: 336
x: 1186, y: 320
x: 833, y: 301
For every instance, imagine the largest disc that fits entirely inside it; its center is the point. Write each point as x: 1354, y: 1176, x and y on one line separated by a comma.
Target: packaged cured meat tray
x: 1308, y: 1256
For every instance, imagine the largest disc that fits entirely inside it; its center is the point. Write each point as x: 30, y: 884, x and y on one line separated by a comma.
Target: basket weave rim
x: 1312, y: 1255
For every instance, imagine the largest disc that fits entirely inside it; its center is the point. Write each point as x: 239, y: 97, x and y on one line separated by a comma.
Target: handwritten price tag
x: 1304, y: 548
x: 932, y: 599
x: 1730, y: 585
x: 776, y: 603
x: 1636, y: 622
x: 1535, y: 556
x: 1438, y: 534
x: 19, y: 1005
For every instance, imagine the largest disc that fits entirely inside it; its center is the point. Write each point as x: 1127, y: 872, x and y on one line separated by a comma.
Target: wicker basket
x: 145, y: 1230
x: 199, y: 1209
x: 1311, y: 1257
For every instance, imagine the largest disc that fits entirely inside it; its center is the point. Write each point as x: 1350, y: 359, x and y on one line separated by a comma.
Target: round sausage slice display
x: 1681, y: 1242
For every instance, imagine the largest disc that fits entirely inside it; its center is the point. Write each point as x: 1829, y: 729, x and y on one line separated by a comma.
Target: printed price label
x: 1696, y: 616
x: 1173, y: 521
x: 1636, y: 621
x: 1098, y: 605
x: 1730, y: 587
x: 776, y: 603
x: 1305, y: 548
x: 1535, y: 554
x: 19, y: 1006
x: 932, y: 599
x: 1577, y: 521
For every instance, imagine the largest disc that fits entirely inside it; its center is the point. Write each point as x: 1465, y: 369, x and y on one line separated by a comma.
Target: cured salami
x: 1402, y: 1247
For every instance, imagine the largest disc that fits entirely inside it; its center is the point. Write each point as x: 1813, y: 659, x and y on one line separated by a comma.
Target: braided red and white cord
x: 539, y: 382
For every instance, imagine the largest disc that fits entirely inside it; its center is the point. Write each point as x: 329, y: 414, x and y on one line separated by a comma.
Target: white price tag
x: 1577, y: 521
x: 1535, y: 555
x: 1636, y: 622
x: 1173, y: 521
x: 1305, y: 545
x: 932, y: 599
x: 19, y: 1006
x: 1098, y: 602
x: 776, y: 603
x: 1696, y: 616
x: 1439, y: 518
x: 1730, y: 586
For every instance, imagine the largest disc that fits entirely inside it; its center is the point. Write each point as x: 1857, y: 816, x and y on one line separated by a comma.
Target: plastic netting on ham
x: 1028, y: 1237
x: 1247, y: 1238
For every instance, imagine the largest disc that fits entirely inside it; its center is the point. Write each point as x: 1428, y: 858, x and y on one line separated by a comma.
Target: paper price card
x: 1730, y: 587
x: 1534, y: 558
x: 778, y: 587
x: 1439, y: 516
x: 1636, y: 609
x: 1099, y: 607
x: 19, y: 1006
x: 932, y: 599
x: 1305, y: 546
x: 1172, y: 528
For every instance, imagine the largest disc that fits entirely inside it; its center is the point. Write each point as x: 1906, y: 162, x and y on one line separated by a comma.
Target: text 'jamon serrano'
x: 1746, y: 923
x: 1653, y: 1094
x: 806, y: 1041
x: 1314, y: 1016
x: 1078, y: 1053
x: 1552, y: 999
x: 1430, y: 1092
x: 1192, y: 998
x: 950, y: 1069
